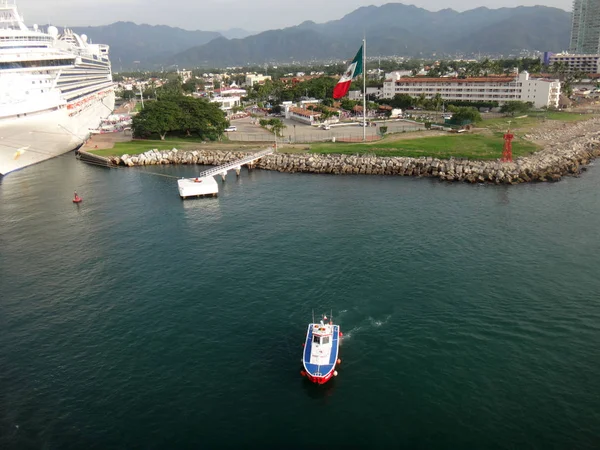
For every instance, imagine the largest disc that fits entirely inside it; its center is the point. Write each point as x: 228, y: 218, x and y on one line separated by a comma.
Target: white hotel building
x: 540, y: 91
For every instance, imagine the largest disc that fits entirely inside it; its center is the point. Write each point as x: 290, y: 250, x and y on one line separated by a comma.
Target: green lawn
x: 141, y: 146
x: 531, y: 120
x: 472, y: 146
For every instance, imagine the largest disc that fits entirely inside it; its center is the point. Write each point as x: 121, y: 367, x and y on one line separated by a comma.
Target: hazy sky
x: 224, y: 14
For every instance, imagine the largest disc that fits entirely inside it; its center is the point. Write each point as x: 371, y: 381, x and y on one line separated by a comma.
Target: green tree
x: 514, y: 107
x: 171, y: 88
x: 402, y: 101
x: 128, y: 94
x: 183, y: 116
x: 201, y: 118
x: 464, y: 114
x: 190, y: 86
x: 160, y: 117
x: 277, y: 126
x: 348, y: 104
x: 437, y: 101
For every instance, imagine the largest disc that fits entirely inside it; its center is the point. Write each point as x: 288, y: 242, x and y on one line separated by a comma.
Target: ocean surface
x: 471, y: 314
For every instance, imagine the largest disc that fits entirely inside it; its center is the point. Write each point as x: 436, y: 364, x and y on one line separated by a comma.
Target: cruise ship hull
x: 37, y: 137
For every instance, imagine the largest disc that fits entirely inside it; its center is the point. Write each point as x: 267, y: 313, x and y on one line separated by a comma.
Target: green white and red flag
x: 354, y: 70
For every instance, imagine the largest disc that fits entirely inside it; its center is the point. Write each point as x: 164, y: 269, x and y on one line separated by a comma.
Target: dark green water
x: 471, y: 314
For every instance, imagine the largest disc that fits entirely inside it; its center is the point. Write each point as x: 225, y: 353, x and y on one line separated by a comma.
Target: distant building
x: 398, y: 73
x: 252, y: 79
x: 376, y: 92
x: 302, y: 115
x: 231, y: 91
x: 227, y: 103
x: 354, y: 95
x: 575, y: 62
x: 185, y: 75
x: 585, y: 28
x: 540, y: 91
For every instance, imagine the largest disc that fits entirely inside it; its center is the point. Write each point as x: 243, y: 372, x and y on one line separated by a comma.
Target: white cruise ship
x: 54, y: 88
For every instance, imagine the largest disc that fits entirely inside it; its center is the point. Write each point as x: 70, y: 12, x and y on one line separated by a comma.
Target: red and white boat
x: 321, y: 351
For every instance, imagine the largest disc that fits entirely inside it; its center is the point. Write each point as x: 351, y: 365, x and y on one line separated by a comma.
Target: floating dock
x: 197, y: 187
x: 205, y: 185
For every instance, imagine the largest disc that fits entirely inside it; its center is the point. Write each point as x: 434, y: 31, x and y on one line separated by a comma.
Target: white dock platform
x: 197, y: 187
x: 205, y: 185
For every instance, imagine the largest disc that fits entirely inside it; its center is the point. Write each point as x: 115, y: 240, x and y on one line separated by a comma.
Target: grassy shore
x: 472, y: 146
x: 523, y: 124
x: 484, y: 143
x: 140, y: 146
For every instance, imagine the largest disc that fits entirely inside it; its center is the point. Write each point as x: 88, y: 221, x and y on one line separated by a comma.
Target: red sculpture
x: 507, y: 152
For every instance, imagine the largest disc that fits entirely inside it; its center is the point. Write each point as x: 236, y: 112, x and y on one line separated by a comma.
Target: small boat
x: 321, y: 350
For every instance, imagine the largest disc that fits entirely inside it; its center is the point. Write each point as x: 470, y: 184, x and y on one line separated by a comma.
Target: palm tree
x: 437, y: 101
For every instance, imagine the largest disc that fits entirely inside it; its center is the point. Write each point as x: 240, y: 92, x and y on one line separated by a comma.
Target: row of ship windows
x: 78, y: 88
x: 26, y: 38
x: 87, y: 73
x: 23, y: 47
x: 44, y: 63
x: 76, y: 97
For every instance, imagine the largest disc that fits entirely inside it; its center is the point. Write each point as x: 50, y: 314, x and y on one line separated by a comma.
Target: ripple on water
x: 469, y: 314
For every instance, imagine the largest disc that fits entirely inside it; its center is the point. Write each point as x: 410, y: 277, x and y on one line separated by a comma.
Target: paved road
x: 298, y: 132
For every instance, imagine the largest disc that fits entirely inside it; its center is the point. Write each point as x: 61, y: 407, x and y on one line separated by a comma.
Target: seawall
x: 567, y: 150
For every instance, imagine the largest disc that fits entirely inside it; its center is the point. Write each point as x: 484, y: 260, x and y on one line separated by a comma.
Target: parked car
x: 232, y: 128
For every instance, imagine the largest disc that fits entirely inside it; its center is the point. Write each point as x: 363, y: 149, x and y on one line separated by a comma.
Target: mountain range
x: 391, y: 29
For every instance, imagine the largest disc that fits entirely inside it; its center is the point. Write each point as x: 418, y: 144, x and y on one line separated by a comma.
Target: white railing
x: 233, y: 164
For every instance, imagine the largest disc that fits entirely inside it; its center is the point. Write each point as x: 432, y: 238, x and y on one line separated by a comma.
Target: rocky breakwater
x: 567, y: 151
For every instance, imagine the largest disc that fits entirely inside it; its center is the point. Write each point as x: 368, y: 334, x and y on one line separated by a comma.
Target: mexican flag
x: 354, y: 70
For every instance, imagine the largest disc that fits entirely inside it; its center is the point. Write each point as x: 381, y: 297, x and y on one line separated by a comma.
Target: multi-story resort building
x: 540, y: 91
x: 585, y: 29
x: 587, y: 64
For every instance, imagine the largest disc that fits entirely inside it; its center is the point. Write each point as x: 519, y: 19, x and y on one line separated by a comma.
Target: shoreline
x: 568, y: 150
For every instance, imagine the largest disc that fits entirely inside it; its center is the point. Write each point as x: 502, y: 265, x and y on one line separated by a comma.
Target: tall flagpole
x: 364, y: 89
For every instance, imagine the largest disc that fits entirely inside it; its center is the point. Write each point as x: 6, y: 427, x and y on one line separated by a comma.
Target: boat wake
x: 367, y: 324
